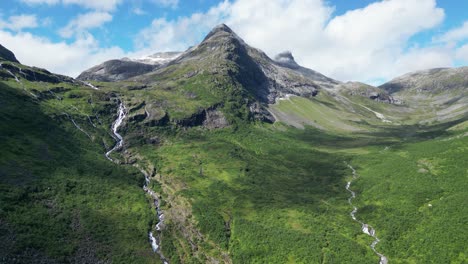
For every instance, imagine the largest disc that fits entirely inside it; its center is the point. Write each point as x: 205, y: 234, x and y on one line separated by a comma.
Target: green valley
x: 245, y: 159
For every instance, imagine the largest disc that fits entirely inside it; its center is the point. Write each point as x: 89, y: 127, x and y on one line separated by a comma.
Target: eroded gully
x: 366, y: 229
x: 154, y: 237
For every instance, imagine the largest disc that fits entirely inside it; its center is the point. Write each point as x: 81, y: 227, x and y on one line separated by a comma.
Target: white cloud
x: 167, y: 3
x: 462, y: 53
x: 364, y: 44
x: 36, y: 2
x: 138, y: 11
x: 455, y: 35
x: 177, y: 35
x: 104, y: 5
x: 60, y: 57
x: 19, y: 22
x: 361, y: 44
x: 84, y: 22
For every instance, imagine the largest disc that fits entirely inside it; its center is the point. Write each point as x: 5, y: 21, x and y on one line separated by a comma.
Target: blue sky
x: 364, y: 40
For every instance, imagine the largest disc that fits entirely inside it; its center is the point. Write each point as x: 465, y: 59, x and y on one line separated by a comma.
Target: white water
x: 366, y: 229
x: 377, y: 114
x: 9, y: 72
x: 90, y: 85
x: 155, y: 240
x: 18, y: 80
x: 77, y: 126
x: 115, y: 127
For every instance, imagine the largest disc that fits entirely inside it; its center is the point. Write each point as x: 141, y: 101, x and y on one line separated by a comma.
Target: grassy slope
x: 60, y: 199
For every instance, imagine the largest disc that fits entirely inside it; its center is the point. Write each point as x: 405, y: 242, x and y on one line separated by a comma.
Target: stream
x: 366, y: 229
x: 153, y: 237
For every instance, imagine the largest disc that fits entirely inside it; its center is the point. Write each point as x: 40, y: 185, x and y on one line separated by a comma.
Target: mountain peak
x: 6, y: 54
x: 286, y: 58
x: 220, y: 30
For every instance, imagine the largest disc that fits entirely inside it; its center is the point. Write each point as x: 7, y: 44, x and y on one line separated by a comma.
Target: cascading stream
x: 154, y: 239
x: 366, y: 229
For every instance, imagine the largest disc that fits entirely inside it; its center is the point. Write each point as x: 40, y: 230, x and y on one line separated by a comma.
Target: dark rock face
x: 116, y: 70
x: 6, y: 54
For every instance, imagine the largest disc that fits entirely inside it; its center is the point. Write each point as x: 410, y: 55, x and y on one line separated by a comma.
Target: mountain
x: 265, y: 78
x: 224, y: 155
x: 286, y: 59
x: 435, y: 94
x: 115, y: 70
x: 368, y: 91
x: 122, y: 69
x: 6, y: 54
x: 430, y: 81
x: 158, y: 58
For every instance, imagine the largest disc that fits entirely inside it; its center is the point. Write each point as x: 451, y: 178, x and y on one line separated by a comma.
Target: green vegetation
x: 60, y: 199
x: 415, y: 194
x: 248, y: 193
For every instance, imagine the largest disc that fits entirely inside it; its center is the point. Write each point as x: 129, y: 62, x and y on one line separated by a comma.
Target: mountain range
x: 221, y: 154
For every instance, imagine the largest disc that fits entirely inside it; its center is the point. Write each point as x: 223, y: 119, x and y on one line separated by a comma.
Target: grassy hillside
x: 61, y: 201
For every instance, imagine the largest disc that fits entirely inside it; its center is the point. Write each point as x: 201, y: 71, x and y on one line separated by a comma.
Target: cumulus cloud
x: 363, y: 44
x: 104, y: 5
x: 60, y: 57
x: 84, y: 22
x: 19, y: 22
